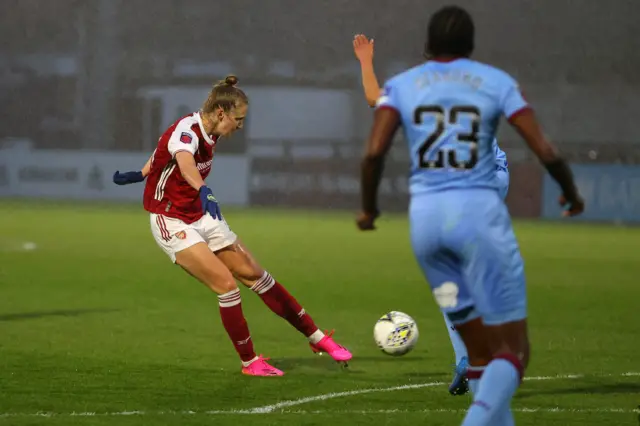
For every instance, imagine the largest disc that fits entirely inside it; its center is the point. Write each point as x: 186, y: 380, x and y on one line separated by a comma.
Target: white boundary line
x: 550, y: 410
x: 333, y: 395
x: 280, y: 407
x: 295, y: 402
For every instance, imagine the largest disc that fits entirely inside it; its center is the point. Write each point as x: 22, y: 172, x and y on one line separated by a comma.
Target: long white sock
x: 459, y: 348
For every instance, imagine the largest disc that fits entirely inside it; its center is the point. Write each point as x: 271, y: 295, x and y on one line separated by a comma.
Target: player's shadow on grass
x: 595, y: 389
x: 59, y: 313
x: 291, y: 363
x: 439, y: 376
x: 356, y: 365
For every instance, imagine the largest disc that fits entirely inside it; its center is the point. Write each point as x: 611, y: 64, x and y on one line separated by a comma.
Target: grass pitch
x: 97, y: 327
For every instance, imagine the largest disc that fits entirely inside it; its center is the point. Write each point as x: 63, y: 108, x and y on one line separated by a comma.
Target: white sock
x: 316, y: 336
x: 459, y: 349
x: 248, y: 363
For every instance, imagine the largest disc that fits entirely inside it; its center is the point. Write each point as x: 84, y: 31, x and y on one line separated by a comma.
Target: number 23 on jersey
x: 443, y: 118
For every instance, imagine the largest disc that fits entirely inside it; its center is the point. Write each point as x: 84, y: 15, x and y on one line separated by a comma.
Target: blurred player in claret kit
x: 363, y: 49
x: 187, y: 224
x: 449, y: 108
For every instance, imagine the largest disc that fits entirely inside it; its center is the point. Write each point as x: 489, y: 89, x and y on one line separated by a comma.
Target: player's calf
x: 510, y: 338
x: 247, y: 270
x: 474, y: 336
x: 498, y: 382
x: 236, y: 326
x: 281, y: 302
x: 202, y: 264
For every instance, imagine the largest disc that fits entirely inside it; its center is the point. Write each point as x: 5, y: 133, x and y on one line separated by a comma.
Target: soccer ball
x: 395, y: 333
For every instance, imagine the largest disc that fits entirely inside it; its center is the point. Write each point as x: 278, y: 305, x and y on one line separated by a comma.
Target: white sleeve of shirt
x: 183, y: 139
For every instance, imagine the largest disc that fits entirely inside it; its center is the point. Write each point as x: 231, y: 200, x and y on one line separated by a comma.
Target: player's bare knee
x: 226, y: 286
x: 251, y: 275
x: 241, y: 263
x: 222, y: 285
x: 248, y: 272
x: 215, y: 276
x: 221, y: 281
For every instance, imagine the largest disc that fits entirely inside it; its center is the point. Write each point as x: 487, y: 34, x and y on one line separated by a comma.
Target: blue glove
x: 127, y: 178
x: 209, y: 203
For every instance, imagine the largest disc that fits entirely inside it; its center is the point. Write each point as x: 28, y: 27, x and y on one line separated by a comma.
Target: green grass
x: 97, y: 319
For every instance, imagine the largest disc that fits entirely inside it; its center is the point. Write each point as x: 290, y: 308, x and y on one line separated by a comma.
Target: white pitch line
x: 464, y: 410
x: 549, y: 410
x: 267, y: 409
x: 333, y: 395
x: 300, y: 401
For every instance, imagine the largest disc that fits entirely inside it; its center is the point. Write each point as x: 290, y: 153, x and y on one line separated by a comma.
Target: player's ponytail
x: 226, y: 95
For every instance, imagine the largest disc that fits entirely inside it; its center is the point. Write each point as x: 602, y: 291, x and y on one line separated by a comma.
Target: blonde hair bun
x: 231, y: 80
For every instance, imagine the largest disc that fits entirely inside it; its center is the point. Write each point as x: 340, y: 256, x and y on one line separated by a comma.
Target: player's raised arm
x: 525, y: 122
x: 363, y: 49
x: 386, y: 121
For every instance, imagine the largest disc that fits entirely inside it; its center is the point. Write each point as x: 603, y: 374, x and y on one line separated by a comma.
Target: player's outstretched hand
x: 209, y: 203
x: 572, y: 208
x: 363, y: 48
x: 366, y: 221
x: 127, y: 177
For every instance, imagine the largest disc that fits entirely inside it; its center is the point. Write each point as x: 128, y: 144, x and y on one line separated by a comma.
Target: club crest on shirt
x: 186, y: 138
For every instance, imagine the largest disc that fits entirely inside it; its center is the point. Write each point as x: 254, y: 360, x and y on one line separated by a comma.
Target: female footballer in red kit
x: 187, y: 225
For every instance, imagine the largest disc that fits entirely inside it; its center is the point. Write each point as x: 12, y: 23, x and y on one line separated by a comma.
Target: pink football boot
x: 260, y: 367
x: 327, y: 344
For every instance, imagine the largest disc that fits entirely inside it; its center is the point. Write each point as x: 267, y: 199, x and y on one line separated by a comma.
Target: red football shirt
x: 166, y: 192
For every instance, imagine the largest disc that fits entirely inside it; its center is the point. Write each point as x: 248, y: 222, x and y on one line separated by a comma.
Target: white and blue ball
x: 395, y: 333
